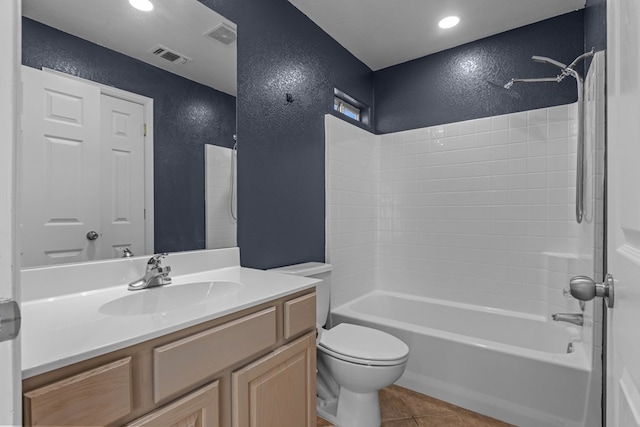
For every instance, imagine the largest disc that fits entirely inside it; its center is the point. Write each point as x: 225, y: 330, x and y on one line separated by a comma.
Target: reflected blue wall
x: 187, y: 115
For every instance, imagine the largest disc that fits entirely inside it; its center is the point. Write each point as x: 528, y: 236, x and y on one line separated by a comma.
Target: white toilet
x: 354, y: 361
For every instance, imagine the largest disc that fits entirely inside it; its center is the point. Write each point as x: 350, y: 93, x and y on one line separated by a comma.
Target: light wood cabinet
x: 95, y: 397
x: 299, y: 315
x: 198, y: 409
x: 255, y: 367
x: 278, y: 389
x: 183, y: 363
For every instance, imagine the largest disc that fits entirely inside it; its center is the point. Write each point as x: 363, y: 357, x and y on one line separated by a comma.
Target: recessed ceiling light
x: 449, y: 22
x: 143, y: 5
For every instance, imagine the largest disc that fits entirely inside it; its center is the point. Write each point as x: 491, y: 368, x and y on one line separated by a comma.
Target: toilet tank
x: 314, y: 270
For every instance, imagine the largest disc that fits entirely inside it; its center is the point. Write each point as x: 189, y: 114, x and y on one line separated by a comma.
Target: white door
x: 623, y: 234
x: 10, y: 370
x: 122, y: 146
x: 60, y: 163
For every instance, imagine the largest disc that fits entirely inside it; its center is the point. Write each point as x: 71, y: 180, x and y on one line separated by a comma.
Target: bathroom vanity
x: 243, y: 357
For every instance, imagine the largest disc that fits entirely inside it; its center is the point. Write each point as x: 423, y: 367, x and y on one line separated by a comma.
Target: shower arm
x: 534, y: 80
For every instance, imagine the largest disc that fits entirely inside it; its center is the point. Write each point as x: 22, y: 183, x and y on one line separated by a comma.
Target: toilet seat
x: 362, y: 345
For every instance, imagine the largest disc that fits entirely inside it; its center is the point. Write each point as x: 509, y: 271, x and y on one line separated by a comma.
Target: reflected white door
x: 60, y: 163
x: 82, y: 172
x: 122, y: 146
x: 623, y: 211
x: 10, y: 370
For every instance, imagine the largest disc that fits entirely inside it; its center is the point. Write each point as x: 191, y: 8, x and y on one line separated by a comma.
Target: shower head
x: 545, y: 60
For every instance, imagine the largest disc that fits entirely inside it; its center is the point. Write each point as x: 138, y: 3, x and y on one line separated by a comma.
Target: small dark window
x: 342, y: 106
x: 350, y: 107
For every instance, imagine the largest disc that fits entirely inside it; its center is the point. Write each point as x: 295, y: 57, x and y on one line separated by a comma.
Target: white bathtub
x: 509, y: 366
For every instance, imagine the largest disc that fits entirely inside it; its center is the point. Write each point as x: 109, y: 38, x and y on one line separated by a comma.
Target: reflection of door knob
x: 585, y: 289
x: 92, y: 235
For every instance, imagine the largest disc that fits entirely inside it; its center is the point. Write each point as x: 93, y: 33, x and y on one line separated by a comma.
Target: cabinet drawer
x: 96, y: 397
x: 299, y: 315
x: 186, y: 362
x: 200, y: 408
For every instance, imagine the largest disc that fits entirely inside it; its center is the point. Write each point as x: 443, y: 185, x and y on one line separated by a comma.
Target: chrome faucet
x: 155, y: 275
x: 574, y: 318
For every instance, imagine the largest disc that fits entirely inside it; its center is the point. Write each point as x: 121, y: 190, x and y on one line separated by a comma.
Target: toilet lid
x: 360, y: 342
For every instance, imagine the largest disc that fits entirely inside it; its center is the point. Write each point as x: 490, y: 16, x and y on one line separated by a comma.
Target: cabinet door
x: 198, y: 409
x: 279, y: 389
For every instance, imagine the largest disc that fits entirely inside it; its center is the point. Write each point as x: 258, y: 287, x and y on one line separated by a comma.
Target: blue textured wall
x: 186, y: 116
x: 466, y: 82
x: 281, y: 200
x: 595, y: 25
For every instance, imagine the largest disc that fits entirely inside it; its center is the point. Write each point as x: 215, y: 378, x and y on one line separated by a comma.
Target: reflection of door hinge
x: 144, y: 214
x: 9, y: 320
x: 145, y: 129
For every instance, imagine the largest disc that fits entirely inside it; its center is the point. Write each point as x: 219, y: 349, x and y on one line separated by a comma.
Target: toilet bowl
x: 354, y: 361
x: 362, y: 361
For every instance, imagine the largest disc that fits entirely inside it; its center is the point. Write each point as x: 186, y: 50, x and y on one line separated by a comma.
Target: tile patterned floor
x: 401, y: 407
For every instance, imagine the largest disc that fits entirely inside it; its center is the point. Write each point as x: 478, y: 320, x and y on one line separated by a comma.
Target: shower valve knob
x: 585, y: 288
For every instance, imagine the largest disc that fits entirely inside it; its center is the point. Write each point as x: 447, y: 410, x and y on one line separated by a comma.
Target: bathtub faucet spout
x: 574, y: 318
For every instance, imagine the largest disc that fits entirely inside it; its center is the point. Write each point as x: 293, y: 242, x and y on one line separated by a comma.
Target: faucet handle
x: 126, y: 253
x: 164, y: 271
x: 155, y: 260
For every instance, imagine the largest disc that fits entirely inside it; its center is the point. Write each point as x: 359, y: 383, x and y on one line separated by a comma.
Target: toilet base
x: 358, y: 409
x: 327, y: 410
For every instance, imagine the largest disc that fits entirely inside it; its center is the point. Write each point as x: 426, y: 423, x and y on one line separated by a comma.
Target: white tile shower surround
x: 352, y: 217
x: 220, y: 226
x: 471, y: 207
x: 467, y: 211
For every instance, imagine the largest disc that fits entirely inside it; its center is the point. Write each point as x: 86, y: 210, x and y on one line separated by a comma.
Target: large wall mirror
x: 120, y: 106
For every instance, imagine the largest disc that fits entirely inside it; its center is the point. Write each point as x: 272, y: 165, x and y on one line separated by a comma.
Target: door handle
x: 585, y: 288
x: 92, y: 235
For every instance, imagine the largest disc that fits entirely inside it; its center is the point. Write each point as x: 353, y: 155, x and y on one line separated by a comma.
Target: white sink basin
x: 167, y: 298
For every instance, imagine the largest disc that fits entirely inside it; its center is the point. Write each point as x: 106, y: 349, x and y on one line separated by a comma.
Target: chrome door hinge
x: 9, y: 320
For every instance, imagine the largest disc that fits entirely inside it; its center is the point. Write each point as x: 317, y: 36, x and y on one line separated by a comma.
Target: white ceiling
x: 176, y: 24
x: 382, y: 33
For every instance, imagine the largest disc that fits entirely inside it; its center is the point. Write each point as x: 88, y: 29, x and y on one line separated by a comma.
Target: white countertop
x: 71, y: 327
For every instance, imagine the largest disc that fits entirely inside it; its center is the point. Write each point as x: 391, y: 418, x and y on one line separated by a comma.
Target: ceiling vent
x: 170, y: 55
x: 223, y: 33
